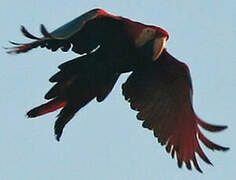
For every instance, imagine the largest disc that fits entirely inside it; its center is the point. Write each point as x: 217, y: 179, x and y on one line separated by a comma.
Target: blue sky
x: 105, y: 141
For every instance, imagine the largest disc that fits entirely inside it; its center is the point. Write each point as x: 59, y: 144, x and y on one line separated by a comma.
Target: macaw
x: 159, y: 87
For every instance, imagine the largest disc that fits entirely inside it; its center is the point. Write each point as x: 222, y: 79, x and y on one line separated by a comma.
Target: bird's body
x: 159, y: 87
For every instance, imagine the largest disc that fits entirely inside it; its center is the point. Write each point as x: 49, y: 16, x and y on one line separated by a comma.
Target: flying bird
x: 159, y: 87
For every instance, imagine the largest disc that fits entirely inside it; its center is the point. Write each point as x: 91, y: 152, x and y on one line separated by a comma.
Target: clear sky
x: 105, y: 141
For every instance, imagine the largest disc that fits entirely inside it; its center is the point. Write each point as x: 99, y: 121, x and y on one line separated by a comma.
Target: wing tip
x: 31, y: 114
x: 211, y: 127
x: 45, y: 32
x: 58, y: 137
x: 27, y: 34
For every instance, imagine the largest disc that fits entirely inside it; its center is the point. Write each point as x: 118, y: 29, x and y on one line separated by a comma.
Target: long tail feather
x: 46, y: 108
x: 15, y: 43
x: 20, y: 49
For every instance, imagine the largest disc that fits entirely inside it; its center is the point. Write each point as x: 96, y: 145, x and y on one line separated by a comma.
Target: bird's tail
x: 77, y: 83
x: 47, y: 108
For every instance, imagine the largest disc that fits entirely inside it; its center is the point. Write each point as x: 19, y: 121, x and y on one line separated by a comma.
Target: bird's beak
x: 159, y: 46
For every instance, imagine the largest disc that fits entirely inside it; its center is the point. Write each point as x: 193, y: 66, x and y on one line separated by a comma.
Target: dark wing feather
x: 77, y: 83
x: 67, y: 35
x: 162, y: 93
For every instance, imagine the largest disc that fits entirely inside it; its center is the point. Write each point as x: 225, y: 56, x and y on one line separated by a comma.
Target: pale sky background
x: 105, y: 141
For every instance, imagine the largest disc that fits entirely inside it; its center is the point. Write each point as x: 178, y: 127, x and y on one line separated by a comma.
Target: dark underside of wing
x: 162, y: 94
x: 77, y: 83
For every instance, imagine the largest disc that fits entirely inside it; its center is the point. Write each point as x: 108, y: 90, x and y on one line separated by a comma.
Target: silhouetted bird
x: 159, y: 87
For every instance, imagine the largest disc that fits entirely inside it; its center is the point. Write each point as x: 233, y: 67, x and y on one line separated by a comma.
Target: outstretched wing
x: 67, y: 35
x: 162, y: 95
x: 77, y: 83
